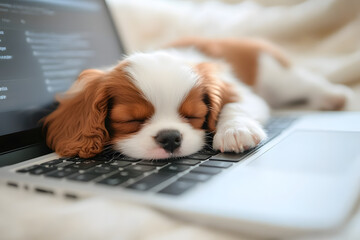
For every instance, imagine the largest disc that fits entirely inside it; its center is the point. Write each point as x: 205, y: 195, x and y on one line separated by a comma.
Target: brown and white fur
x: 176, y: 94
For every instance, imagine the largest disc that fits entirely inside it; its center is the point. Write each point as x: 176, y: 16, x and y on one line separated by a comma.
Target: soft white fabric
x: 28, y: 216
x: 323, y: 35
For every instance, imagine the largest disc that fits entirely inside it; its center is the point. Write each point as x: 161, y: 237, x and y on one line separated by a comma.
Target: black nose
x: 169, y: 139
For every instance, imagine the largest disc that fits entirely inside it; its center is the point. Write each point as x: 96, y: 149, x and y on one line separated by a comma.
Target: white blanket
x: 322, y: 35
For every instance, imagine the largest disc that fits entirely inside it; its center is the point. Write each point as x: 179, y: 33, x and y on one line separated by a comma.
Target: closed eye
x: 142, y: 120
x: 192, y: 117
x: 139, y: 120
x: 195, y: 121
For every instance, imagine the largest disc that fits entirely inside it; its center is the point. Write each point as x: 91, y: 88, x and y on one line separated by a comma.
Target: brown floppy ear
x: 217, y: 92
x: 77, y: 126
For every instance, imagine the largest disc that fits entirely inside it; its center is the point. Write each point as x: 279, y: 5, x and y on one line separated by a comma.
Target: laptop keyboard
x: 172, y: 177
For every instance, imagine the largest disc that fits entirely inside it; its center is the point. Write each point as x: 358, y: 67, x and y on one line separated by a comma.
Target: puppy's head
x: 150, y: 106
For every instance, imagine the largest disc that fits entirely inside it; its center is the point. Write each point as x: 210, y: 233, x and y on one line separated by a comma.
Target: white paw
x: 238, y: 135
x: 334, y: 97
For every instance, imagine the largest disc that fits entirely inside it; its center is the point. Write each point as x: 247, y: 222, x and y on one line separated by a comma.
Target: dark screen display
x: 44, y: 45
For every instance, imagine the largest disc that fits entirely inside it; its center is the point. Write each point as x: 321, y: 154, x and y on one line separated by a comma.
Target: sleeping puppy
x: 160, y: 104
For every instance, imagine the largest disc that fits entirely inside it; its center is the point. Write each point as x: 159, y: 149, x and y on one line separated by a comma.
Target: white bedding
x: 322, y: 35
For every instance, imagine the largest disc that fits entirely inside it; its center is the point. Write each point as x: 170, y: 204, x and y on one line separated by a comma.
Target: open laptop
x: 304, y: 179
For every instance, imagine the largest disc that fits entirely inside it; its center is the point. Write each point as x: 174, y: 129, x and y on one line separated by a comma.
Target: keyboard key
x: 196, y: 177
x: 174, y: 168
x: 41, y: 170
x: 86, y: 164
x: 52, y: 162
x: 206, y: 170
x: 27, y: 169
x: 114, y: 180
x: 83, y: 177
x: 102, y: 158
x: 151, y: 181
x: 200, y: 156
x: 229, y: 157
x: 64, y: 164
x: 141, y: 168
x: 178, y: 187
x: 117, y: 163
x: 153, y: 163
x: 185, y: 161
x: 126, y: 158
x: 99, y: 170
x: 209, y: 151
x: 130, y: 173
x: 75, y: 159
x: 219, y: 164
x: 61, y: 173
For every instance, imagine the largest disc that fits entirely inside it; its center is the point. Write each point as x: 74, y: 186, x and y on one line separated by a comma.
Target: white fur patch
x: 280, y: 86
x: 163, y: 78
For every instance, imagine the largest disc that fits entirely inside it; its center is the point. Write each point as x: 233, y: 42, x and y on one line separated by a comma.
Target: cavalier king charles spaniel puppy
x: 160, y: 104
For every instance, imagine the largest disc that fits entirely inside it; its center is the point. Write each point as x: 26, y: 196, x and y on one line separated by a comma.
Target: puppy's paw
x: 238, y: 135
x: 334, y: 97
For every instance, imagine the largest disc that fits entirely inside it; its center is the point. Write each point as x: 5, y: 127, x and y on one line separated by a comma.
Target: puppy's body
x: 159, y: 104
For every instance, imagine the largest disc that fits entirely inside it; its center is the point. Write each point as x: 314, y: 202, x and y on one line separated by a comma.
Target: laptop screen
x: 44, y: 45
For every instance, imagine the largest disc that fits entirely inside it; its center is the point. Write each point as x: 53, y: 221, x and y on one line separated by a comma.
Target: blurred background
x: 321, y: 35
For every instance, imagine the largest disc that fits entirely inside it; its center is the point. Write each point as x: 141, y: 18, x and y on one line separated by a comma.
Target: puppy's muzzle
x: 170, y: 140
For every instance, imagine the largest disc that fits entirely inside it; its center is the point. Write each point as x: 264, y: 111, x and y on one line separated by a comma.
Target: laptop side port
x: 44, y: 191
x: 70, y: 196
x: 12, y: 184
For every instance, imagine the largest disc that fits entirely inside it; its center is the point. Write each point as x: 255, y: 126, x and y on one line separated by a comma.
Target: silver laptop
x: 305, y: 178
